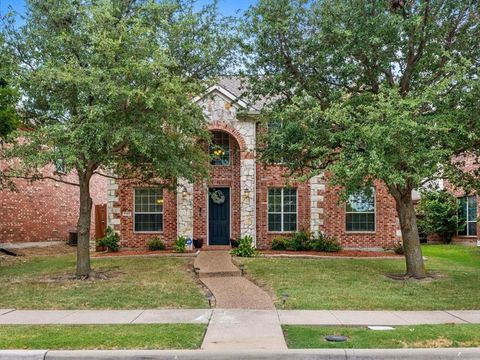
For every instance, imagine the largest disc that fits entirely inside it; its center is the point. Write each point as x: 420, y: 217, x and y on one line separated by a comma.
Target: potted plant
x: 198, y: 243
x: 234, y: 243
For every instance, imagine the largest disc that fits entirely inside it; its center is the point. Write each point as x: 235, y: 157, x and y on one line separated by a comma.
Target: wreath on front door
x: 217, y: 197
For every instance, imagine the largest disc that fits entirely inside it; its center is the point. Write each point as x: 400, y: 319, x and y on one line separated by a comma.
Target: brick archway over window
x: 222, y: 126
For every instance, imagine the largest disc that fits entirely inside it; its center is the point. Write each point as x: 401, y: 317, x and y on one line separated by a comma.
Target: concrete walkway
x: 231, y: 291
x: 208, y: 316
x: 245, y: 317
x: 237, y: 330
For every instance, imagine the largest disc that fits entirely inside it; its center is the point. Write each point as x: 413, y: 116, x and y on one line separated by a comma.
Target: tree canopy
x: 8, y: 94
x: 107, y: 86
x: 369, y: 90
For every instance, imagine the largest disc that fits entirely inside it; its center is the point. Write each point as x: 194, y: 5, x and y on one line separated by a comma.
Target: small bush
x: 111, y: 240
x: 280, y: 243
x: 245, y: 248
x: 156, y: 244
x: 299, y: 241
x: 325, y: 243
x: 437, y: 213
x: 180, y: 244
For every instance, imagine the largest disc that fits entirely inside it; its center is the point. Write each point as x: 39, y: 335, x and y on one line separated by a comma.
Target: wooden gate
x: 100, y: 220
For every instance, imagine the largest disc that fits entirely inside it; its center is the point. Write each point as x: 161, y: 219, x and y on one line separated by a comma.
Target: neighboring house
x: 245, y: 197
x: 44, y: 210
x: 468, y: 206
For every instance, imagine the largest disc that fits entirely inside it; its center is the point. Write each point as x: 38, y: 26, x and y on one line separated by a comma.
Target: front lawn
x: 132, y: 283
x: 361, y: 285
x: 418, y: 336
x: 102, y: 337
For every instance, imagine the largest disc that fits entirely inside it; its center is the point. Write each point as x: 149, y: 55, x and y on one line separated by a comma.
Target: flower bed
x: 143, y: 252
x: 341, y: 253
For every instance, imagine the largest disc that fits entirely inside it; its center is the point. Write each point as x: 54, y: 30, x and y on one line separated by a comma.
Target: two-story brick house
x: 245, y: 197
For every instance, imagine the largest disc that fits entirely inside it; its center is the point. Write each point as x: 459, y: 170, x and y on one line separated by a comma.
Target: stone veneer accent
x: 317, y: 189
x: 248, y: 198
x: 113, y: 210
x: 185, y: 208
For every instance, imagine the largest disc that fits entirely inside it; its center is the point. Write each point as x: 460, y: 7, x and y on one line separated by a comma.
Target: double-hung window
x: 148, y: 214
x: 467, y: 216
x: 282, y: 209
x: 360, y: 211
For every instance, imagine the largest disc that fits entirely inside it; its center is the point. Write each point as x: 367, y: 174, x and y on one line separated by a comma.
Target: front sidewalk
x: 203, y: 316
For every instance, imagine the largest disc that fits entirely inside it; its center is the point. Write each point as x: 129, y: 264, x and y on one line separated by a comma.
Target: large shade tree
x: 107, y: 87
x: 365, y: 90
x: 8, y: 94
x: 8, y: 99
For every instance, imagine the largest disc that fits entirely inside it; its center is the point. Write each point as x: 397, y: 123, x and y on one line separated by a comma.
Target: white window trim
x: 135, y: 212
x: 282, y: 231
x: 466, y: 220
x: 374, y: 212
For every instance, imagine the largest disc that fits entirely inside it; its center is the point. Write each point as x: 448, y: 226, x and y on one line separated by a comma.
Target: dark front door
x: 219, y: 216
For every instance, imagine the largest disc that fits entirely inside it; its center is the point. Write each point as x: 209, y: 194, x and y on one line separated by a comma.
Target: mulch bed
x: 341, y: 253
x: 144, y: 252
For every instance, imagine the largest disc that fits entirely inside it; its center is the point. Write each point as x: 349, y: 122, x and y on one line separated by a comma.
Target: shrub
x: 280, y: 243
x: 245, y: 247
x: 299, y: 241
x: 180, y: 244
x: 156, y: 244
x: 437, y: 214
x: 325, y: 243
x: 111, y: 240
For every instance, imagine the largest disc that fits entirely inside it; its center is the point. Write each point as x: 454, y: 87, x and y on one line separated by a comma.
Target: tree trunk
x: 83, y: 225
x: 411, y: 240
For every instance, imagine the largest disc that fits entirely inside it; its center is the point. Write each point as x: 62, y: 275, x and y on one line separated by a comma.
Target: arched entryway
x: 217, y: 202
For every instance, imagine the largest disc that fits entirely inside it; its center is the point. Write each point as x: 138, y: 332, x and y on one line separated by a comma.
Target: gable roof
x: 232, y: 88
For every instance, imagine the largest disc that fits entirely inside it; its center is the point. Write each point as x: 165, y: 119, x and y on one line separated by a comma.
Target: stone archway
x: 191, y: 199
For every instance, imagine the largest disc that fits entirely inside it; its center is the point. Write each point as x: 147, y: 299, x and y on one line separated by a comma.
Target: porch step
x: 215, y: 264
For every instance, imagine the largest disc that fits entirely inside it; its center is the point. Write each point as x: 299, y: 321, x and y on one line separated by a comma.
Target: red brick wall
x: 386, y: 223
x: 221, y: 176
x: 274, y: 176
x: 131, y: 239
x: 44, y: 210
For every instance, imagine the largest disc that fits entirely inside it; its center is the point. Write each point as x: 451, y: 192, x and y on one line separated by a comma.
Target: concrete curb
x: 330, y: 354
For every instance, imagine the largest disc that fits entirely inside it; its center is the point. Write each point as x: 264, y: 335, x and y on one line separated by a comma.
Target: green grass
x: 130, y: 336
x: 420, y: 336
x: 361, y: 284
x: 139, y: 283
